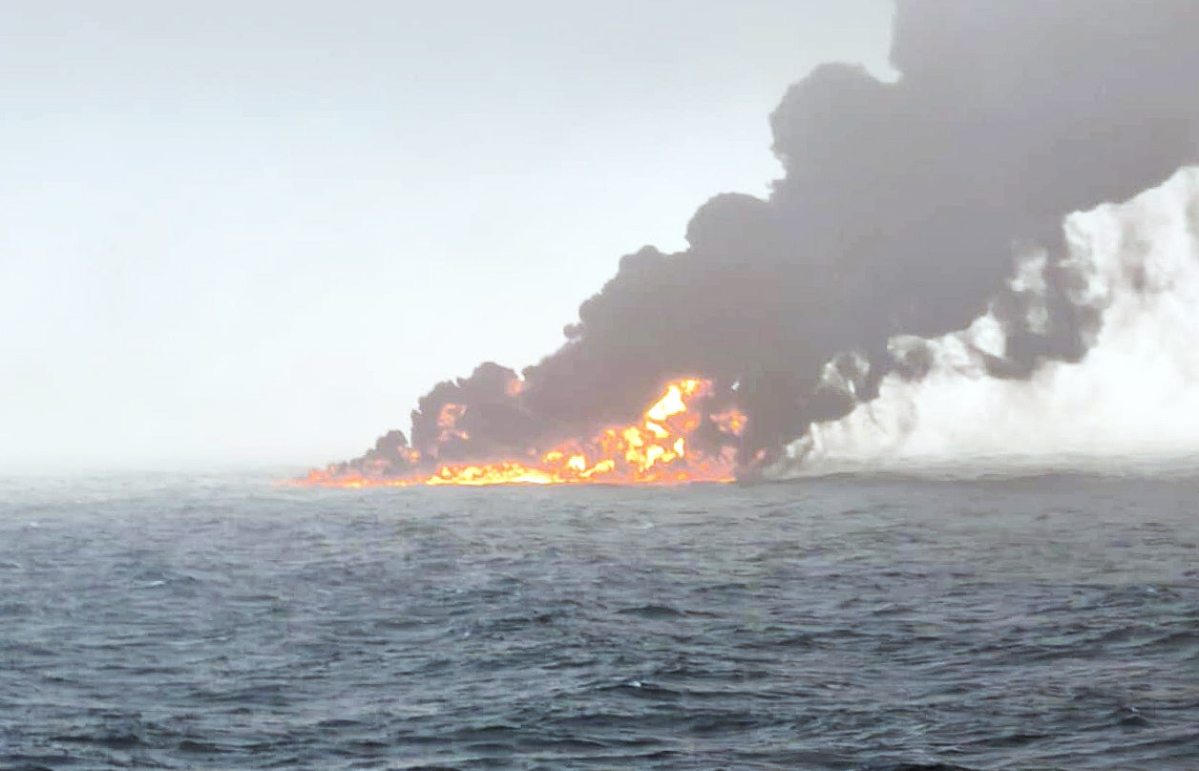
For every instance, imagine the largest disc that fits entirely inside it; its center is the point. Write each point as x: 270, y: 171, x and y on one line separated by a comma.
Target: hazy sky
x: 237, y: 232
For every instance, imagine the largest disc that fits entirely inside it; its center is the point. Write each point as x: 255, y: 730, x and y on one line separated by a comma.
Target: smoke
x: 898, y: 213
x: 1134, y: 392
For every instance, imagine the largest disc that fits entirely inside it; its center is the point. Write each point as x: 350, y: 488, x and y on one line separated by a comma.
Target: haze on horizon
x: 256, y: 234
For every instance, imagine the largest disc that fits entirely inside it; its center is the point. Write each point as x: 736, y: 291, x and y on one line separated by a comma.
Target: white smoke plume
x: 1135, y: 392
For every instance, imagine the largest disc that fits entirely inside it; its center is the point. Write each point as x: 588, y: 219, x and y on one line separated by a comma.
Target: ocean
x: 1037, y: 620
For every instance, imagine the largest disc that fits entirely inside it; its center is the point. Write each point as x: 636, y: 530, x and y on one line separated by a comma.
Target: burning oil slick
x: 680, y: 438
x: 901, y: 212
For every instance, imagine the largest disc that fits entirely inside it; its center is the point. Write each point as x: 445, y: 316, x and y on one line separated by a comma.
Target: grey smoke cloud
x: 901, y: 210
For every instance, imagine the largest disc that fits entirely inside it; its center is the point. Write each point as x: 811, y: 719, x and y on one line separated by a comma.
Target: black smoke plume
x: 900, y: 211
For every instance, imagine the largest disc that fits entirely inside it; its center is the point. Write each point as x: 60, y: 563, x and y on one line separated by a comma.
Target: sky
x: 255, y: 233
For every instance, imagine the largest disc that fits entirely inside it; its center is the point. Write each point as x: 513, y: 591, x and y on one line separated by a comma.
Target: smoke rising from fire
x: 1135, y: 392
x: 899, y: 212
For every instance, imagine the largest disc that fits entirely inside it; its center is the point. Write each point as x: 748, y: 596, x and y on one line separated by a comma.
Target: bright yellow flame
x: 652, y: 451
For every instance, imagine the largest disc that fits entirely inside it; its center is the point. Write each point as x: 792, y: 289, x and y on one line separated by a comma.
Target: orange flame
x: 655, y: 450
x: 731, y: 421
x: 447, y: 422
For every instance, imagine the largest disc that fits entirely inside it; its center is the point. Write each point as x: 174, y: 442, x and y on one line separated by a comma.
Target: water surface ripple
x: 1048, y: 621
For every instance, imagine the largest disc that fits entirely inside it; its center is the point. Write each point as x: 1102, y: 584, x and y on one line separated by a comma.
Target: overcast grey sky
x: 256, y: 232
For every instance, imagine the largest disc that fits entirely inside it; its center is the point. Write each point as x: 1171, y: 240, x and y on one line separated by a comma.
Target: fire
x: 657, y: 449
x: 447, y: 421
x: 730, y: 421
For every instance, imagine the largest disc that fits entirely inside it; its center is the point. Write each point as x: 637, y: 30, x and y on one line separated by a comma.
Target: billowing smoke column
x: 1133, y: 397
x: 901, y: 212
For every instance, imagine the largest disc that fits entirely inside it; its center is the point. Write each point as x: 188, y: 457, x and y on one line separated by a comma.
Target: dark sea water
x: 1041, y: 621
